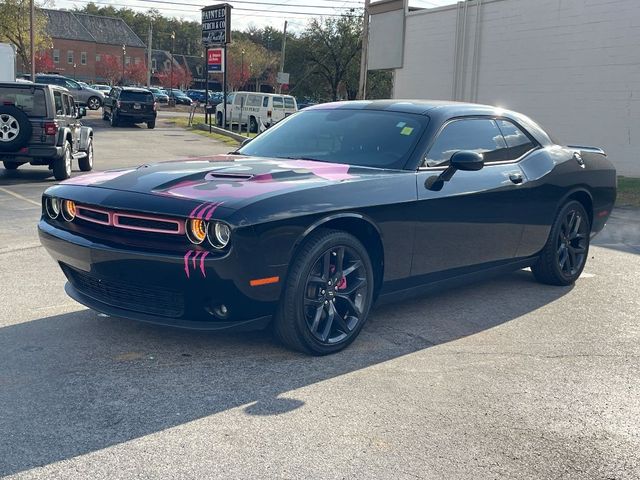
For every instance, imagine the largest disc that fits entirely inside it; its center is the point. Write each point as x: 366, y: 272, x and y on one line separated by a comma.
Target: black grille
x: 128, y: 296
x: 148, y: 223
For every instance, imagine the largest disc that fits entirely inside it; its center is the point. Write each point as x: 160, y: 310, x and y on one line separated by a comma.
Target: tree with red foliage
x: 44, y: 62
x: 136, y: 73
x: 109, y: 68
x: 182, y: 78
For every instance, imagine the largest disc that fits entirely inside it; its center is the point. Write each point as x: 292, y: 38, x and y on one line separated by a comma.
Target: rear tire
x: 151, y: 125
x: 62, y: 165
x: 86, y: 163
x: 219, y: 119
x: 323, y: 310
x: 11, y: 165
x: 94, y: 103
x: 564, y: 256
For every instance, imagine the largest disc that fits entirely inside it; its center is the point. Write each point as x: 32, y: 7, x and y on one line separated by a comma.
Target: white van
x: 256, y: 110
x: 7, y: 63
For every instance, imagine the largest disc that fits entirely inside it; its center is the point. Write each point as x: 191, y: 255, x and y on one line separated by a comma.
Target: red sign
x: 215, y: 60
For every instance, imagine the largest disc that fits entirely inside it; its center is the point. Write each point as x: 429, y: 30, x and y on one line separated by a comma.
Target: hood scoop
x: 215, y: 175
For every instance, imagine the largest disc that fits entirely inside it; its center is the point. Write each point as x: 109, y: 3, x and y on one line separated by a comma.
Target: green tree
x: 14, y: 28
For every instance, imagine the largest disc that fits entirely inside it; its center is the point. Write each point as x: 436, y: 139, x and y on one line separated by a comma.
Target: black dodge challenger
x: 336, y: 207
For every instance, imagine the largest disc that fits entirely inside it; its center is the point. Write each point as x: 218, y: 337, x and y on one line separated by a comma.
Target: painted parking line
x: 20, y: 197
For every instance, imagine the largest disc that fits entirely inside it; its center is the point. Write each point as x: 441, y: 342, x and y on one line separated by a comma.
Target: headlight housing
x: 196, y: 230
x: 68, y: 210
x: 219, y: 234
x: 52, y: 207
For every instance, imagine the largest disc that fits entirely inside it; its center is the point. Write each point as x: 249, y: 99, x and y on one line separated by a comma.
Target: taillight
x: 50, y: 128
x: 155, y: 106
x: 269, y: 113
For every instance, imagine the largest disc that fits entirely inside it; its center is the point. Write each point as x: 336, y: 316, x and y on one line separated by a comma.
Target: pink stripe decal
x: 186, y: 262
x: 195, y: 210
x: 204, y: 255
x: 193, y: 259
x: 210, y: 212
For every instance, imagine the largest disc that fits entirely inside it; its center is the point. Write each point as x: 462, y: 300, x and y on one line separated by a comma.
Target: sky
x: 246, y: 13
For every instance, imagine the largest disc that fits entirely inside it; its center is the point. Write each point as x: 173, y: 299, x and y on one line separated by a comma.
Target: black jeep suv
x: 39, y: 124
x: 129, y: 104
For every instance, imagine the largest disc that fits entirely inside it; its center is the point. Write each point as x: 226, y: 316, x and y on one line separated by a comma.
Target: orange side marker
x: 263, y: 281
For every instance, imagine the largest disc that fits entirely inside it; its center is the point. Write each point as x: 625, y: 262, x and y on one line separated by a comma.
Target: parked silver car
x: 83, y: 95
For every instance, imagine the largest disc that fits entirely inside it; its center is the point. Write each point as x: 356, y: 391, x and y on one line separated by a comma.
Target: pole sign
x: 216, y: 25
x: 215, y: 60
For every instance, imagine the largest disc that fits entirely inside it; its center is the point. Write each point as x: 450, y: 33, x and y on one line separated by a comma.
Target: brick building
x: 80, y: 40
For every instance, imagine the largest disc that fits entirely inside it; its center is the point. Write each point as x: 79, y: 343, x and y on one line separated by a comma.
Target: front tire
x: 565, y: 254
x: 327, y: 294
x: 151, y: 124
x: 86, y: 163
x: 94, y: 103
x: 62, y: 165
x: 113, y: 119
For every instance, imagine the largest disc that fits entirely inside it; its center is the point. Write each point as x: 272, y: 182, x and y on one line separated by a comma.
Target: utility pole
x: 32, y: 47
x: 284, y: 47
x: 172, y: 100
x: 149, y: 41
x: 364, y: 60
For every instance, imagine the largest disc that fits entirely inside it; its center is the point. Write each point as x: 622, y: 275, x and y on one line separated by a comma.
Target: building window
x: 153, y: 64
x: 69, y: 56
x: 127, y: 60
x: 136, y: 61
x: 98, y: 58
x: 83, y: 58
x: 56, y: 55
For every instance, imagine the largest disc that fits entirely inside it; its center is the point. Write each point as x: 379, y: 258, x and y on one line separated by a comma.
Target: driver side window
x: 476, y: 134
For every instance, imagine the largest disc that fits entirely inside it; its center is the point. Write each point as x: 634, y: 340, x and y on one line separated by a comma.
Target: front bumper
x: 154, y: 287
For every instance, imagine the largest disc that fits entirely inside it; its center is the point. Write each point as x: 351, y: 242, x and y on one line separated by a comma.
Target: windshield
x: 136, y: 96
x: 370, y: 138
x: 30, y: 100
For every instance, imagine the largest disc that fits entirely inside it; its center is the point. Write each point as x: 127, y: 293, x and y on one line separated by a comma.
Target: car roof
x: 33, y: 85
x: 133, y: 89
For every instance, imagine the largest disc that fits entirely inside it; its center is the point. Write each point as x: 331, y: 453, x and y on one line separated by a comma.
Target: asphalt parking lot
x: 503, y: 379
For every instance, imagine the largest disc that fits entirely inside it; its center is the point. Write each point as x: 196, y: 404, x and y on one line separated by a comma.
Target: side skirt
x: 454, y: 281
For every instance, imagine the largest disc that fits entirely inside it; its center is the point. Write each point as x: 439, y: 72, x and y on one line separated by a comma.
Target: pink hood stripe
x: 186, y: 262
x: 204, y: 255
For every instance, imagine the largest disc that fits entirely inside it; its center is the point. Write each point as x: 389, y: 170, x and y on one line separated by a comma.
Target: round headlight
x: 68, y: 210
x: 52, y: 206
x: 196, y: 230
x: 219, y: 234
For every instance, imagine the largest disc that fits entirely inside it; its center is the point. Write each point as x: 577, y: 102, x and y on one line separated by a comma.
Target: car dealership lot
x: 503, y: 379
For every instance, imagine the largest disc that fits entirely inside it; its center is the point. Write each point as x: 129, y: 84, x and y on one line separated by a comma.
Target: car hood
x: 230, y: 179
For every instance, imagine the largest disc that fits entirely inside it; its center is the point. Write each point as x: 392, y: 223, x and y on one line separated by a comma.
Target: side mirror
x: 244, y: 142
x: 466, y: 160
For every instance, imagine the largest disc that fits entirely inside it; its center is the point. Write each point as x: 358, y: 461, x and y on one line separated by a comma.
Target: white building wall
x: 572, y: 65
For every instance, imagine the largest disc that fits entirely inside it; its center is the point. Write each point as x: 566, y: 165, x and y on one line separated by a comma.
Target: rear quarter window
x: 30, y: 101
x: 289, y: 103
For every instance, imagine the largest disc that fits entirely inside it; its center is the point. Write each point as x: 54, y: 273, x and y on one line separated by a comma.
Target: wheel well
x: 369, y: 237
x: 585, y: 199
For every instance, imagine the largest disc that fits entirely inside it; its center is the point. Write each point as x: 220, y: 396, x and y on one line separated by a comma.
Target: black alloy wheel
x: 564, y: 256
x: 334, y: 295
x: 327, y: 295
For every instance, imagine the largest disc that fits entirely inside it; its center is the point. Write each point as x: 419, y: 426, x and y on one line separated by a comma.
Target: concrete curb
x: 221, y: 131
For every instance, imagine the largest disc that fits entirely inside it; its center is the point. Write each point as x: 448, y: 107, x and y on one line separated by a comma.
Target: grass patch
x: 628, y: 192
x: 183, y: 122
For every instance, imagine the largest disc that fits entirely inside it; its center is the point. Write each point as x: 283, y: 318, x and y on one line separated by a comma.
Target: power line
x: 248, y: 1
x: 167, y: 9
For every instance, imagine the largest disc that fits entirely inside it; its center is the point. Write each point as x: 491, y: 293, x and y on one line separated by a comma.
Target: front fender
x: 85, y: 134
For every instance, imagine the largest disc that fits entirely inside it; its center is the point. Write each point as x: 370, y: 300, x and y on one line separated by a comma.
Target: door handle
x: 516, y: 178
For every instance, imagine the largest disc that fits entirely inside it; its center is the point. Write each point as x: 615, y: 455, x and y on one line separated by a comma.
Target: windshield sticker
x: 400, y: 124
x: 406, y: 131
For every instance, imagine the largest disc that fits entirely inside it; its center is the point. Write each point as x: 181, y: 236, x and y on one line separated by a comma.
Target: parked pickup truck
x: 40, y: 124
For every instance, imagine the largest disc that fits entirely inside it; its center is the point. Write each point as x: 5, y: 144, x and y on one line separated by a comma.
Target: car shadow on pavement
x: 75, y: 383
